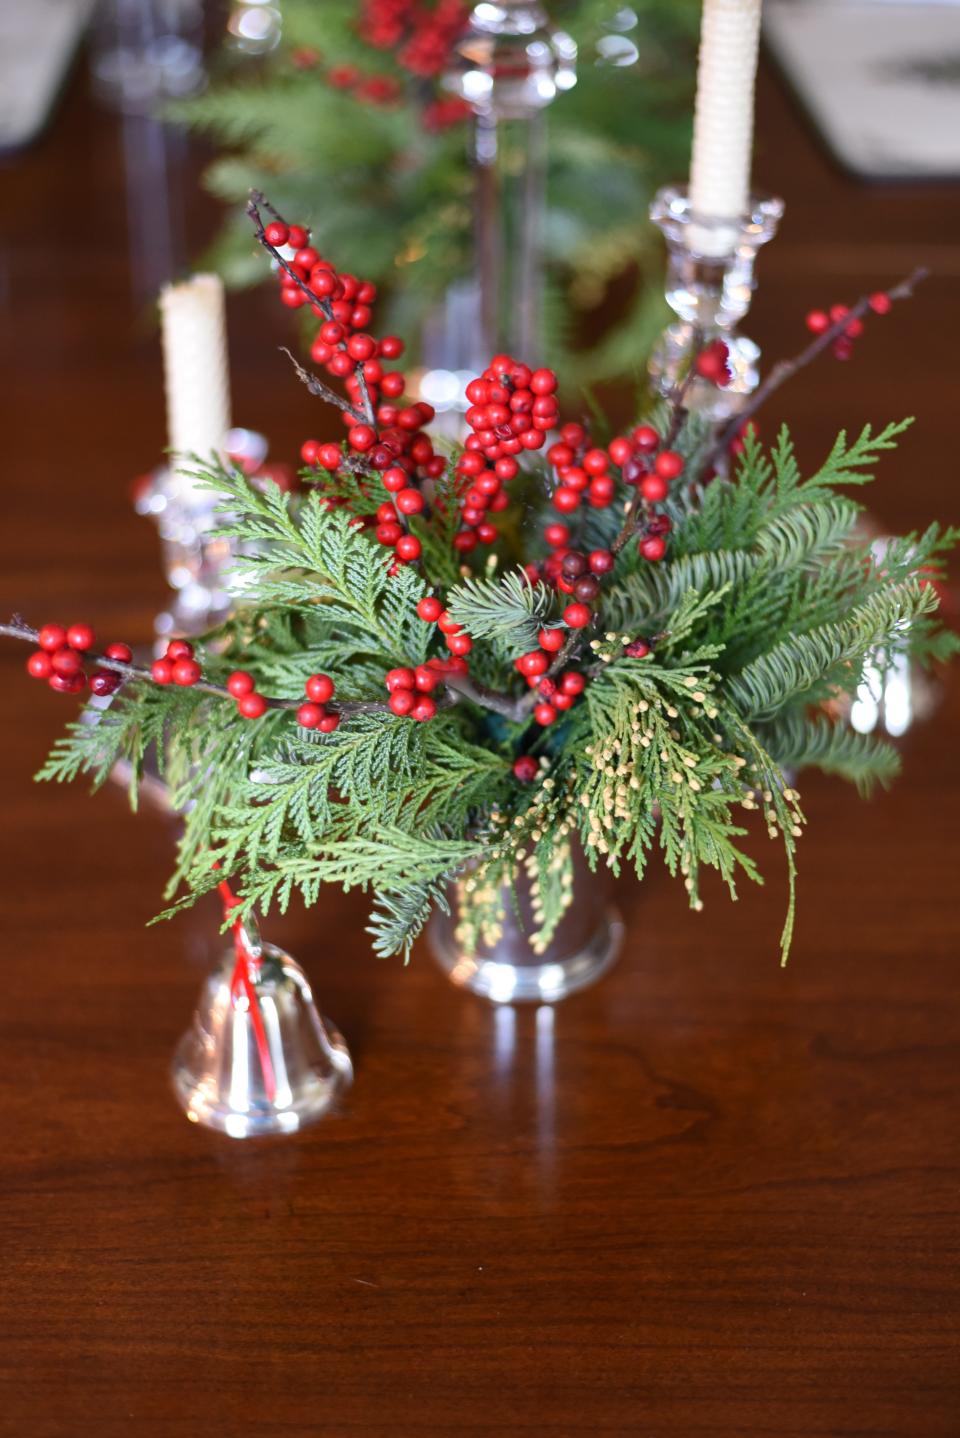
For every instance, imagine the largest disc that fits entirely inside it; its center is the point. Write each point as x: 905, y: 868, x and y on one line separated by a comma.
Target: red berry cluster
x: 60, y: 660
x: 819, y: 321
x: 432, y: 612
x: 713, y: 363
x: 177, y: 666
x: 422, y: 35
x: 511, y: 409
x: 319, y: 689
x: 410, y: 691
x: 397, y: 448
x: 582, y: 471
x: 554, y: 695
x: 250, y: 704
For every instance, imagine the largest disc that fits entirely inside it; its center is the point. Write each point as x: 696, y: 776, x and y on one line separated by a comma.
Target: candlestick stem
x: 710, y: 282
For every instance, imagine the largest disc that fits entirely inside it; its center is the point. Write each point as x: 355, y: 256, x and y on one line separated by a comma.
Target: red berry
x: 329, y: 723
x: 545, y: 713
x: 556, y: 535
x: 459, y: 643
x: 551, y: 640
x: 596, y: 461
x: 653, y: 547
x: 240, y: 683
x: 425, y: 678
x: 577, y: 616
x: 543, y: 381
x: 361, y: 438
x: 534, y: 663
x: 276, y: 234
x: 80, y: 636
x: 161, y: 671
x: 401, y: 701
x: 400, y: 679
x: 297, y: 236
x: 638, y: 649
x: 654, y: 488
x: 572, y: 683
x: 179, y: 649
x: 424, y: 708
x: 566, y: 500
x: 121, y: 652
x: 446, y: 624
x: 645, y: 438
x: 67, y: 683
x: 409, y: 547
x: 601, y: 561
x: 620, y: 450
x: 818, y: 321
x: 602, y: 490
x: 66, y: 661
x: 252, y: 706
x: 39, y: 665
x: 880, y: 303
x: 309, y: 715
x: 430, y: 609
x: 391, y: 347
x: 668, y: 464
x: 388, y: 533
x: 52, y: 636
x: 186, y: 672
x: 410, y: 501
x: 104, y: 682
x: 319, y: 688
x: 525, y: 768
x: 330, y: 456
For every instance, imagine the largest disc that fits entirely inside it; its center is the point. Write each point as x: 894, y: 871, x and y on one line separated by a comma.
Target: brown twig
x: 786, y: 369
x: 317, y: 387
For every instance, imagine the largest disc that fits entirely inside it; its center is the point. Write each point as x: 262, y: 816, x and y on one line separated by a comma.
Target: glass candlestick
x: 196, y: 559
x: 509, y: 66
x: 710, y: 282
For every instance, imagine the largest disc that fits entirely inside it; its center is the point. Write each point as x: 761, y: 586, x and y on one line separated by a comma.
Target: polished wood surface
x: 708, y: 1197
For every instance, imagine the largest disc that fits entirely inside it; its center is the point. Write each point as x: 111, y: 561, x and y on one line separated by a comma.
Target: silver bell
x: 258, y: 1058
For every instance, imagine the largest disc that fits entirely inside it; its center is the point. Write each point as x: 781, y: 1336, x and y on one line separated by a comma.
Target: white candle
x: 723, y: 122
x: 195, y: 365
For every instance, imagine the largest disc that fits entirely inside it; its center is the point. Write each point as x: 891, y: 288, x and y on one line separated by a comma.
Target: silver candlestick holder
x: 710, y: 282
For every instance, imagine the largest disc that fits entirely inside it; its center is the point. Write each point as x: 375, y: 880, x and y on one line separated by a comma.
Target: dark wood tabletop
x: 707, y: 1197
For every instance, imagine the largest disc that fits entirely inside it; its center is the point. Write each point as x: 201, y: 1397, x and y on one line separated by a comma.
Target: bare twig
x: 317, y: 387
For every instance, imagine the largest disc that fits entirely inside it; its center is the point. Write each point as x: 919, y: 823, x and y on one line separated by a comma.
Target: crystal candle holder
x: 710, y: 282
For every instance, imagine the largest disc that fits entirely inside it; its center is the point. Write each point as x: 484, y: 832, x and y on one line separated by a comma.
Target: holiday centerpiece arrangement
x: 378, y: 122
x: 448, y: 669
x: 466, y: 676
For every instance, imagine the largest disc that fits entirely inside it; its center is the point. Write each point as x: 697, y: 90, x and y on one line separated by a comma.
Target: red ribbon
x: 242, y: 982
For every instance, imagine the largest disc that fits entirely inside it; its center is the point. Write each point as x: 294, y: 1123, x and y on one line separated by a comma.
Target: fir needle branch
x: 253, y: 210
x: 786, y: 369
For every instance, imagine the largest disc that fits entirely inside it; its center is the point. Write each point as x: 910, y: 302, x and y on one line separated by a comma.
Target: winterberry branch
x: 786, y: 369
x: 253, y: 210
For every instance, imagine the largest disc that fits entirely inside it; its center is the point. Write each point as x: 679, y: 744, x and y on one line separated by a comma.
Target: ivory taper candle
x: 195, y: 365
x: 723, y: 121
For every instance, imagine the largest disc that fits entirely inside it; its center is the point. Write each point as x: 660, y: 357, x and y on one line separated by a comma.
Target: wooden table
x: 707, y: 1197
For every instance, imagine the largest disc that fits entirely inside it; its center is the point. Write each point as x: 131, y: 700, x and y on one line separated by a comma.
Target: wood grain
x: 706, y: 1198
